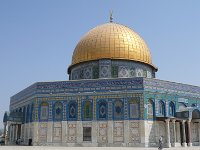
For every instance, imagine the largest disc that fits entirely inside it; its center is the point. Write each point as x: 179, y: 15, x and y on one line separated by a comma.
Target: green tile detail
x: 95, y: 72
x: 115, y: 71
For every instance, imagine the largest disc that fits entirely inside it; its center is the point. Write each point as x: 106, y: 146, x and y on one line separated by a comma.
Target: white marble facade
x: 137, y: 133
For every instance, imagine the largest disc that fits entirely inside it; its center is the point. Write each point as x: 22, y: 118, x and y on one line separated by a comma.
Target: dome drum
x: 108, y: 68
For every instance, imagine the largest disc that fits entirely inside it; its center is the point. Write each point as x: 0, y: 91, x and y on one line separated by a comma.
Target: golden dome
x: 112, y: 41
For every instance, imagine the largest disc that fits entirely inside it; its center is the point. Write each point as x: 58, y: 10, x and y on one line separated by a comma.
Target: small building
x: 112, y: 98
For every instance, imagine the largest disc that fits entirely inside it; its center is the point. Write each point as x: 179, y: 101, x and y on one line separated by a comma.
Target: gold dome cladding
x: 112, y: 41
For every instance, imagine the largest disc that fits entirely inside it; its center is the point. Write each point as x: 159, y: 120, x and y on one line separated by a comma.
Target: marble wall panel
x: 118, y: 131
x: 102, y: 134
x: 57, y: 132
x: 134, y: 132
x: 71, y: 132
x: 43, y: 132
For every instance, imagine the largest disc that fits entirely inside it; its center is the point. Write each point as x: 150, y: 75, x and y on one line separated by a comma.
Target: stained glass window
x: 139, y: 74
x: 161, y: 108
x: 32, y: 113
x: 95, y: 72
x: 58, y: 111
x: 81, y: 74
x: 134, y: 108
x: 114, y: 71
x: 102, y: 109
x: 171, y: 109
x: 87, y: 110
x: 118, y: 109
x: 145, y: 73
x: 150, y: 109
x: 72, y: 110
x: 27, y: 114
x: 24, y: 114
x: 132, y: 72
x: 44, y: 107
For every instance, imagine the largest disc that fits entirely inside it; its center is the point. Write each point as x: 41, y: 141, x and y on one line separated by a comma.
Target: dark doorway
x: 87, y: 134
x: 19, y: 131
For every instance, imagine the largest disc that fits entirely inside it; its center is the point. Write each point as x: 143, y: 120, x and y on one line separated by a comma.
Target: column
x: 174, y: 132
x: 189, y: 133
x: 110, y: 133
x: 64, y: 124
x: 144, y: 133
x: 7, y: 137
x: 10, y: 133
x: 16, y: 131
x: 21, y: 136
x: 79, y: 128
x: 126, y: 132
x: 94, y: 133
x: 22, y: 132
x: 25, y: 137
x: 49, y: 132
x: 4, y: 131
x: 168, y: 132
x: 28, y: 130
x: 183, y: 133
x: 178, y: 133
x: 35, y: 133
x: 199, y: 131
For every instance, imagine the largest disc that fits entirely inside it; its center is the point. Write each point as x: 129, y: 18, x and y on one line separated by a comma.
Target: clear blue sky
x: 37, y: 38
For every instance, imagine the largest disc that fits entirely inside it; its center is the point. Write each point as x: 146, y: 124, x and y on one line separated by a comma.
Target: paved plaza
x: 89, y: 148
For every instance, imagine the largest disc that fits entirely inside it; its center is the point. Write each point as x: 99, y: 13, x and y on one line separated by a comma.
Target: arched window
x: 132, y: 72
x: 58, y: 111
x: 145, y: 73
x: 134, y: 108
x: 24, y: 114
x: 161, y: 108
x: 102, y: 109
x: 32, y: 113
x: 44, y: 108
x: 150, y: 110
x: 118, y: 109
x: 27, y: 114
x: 72, y: 107
x: 171, y: 109
x: 87, y: 110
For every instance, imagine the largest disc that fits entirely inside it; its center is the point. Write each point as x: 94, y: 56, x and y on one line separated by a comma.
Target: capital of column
x: 167, y: 120
x: 174, y: 120
x: 189, y: 120
x: 183, y: 121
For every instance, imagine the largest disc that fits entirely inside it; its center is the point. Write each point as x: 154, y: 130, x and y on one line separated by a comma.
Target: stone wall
x: 104, y: 133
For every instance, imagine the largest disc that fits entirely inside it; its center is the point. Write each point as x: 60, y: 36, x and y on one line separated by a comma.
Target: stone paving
x: 90, y: 148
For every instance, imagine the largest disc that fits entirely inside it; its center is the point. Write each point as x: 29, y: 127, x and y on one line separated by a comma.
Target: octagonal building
x: 111, y: 99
